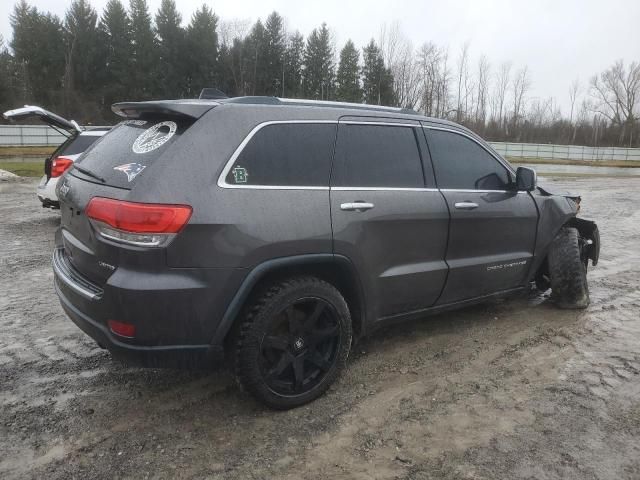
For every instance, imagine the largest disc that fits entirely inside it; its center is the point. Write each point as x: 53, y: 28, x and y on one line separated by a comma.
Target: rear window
x: 78, y: 145
x: 129, y: 149
x: 288, y: 154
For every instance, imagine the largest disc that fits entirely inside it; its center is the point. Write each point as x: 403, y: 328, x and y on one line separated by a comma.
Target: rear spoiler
x: 193, y: 109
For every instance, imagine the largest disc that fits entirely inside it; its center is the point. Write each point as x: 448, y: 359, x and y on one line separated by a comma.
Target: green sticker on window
x: 240, y: 174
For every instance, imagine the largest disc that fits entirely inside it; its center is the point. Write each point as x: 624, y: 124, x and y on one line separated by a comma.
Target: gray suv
x: 270, y: 234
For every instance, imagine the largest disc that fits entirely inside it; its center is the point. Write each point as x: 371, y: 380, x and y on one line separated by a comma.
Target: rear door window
x: 286, y: 154
x: 129, y: 149
x: 377, y: 156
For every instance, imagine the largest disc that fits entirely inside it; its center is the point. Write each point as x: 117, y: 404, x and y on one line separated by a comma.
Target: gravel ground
x: 516, y: 389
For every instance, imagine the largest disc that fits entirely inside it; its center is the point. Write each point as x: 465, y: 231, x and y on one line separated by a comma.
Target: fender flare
x: 261, y: 270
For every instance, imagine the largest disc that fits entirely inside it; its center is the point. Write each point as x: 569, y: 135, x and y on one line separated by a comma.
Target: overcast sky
x: 559, y: 40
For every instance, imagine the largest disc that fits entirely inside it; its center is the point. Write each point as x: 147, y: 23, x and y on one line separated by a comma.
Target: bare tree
x: 463, y: 83
x: 482, y: 90
x: 521, y: 85
x: 616, y: 96
x: 434, y: 73
x: 503, y: 78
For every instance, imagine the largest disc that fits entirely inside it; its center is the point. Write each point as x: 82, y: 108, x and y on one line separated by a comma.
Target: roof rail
x: 363, y: 106
x: 258, y: 100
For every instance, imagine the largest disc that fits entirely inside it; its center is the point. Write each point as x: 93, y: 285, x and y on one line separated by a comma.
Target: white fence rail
x: 565, y: 152
x: 30, y: 135
x: 35, y: 135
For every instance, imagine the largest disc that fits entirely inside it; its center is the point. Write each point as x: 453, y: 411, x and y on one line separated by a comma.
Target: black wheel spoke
x: 298, y: 373
x: 319, y: 336
x: 275, y: 342
x: 294, y: 324
x: 315, y: 315
x: 319, y: 361
x: 283, y: 363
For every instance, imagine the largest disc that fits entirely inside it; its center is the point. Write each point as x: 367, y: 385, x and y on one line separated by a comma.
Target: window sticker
x: 131, y: 170
x: 154, y: 137
x: 240, y: 174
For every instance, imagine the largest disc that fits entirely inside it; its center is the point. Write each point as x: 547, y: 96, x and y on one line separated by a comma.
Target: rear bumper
x: 46, y: 192
x: 165, y: 356
x: 176, y: 312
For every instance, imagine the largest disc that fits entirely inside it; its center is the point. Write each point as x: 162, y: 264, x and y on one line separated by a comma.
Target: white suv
x: 78, y: 140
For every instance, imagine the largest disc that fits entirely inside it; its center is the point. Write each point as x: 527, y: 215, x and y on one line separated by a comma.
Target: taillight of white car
x: 59, y: 165
x: 139, y: 224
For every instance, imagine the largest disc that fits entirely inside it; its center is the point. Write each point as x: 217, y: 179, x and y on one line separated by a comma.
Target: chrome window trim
x: 222, y: 179
x: 470, y: 190
x: 500, y: 160
x: 383, y: 189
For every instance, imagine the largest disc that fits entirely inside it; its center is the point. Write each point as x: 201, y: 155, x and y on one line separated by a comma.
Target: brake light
x: 143, y: 224
x: 60, y: 165
x: 122, y: 329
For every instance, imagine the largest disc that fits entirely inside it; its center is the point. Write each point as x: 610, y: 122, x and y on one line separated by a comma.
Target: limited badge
x: 132, y: 170
x: 240, y: 174
x: 154, y: 137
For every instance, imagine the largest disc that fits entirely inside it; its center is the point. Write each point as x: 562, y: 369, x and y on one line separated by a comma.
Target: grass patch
x: 26, y: 151
x: 588, y: 163
x: 24, y: 169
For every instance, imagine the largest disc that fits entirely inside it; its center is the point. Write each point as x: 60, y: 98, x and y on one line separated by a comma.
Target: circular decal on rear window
x: 154, y: 137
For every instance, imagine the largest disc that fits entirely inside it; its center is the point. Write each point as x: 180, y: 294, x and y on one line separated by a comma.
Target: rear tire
x: 293, y: 342
x: 568, y: 272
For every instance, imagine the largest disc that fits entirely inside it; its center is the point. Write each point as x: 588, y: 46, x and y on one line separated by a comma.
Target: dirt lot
x: 510, y: 390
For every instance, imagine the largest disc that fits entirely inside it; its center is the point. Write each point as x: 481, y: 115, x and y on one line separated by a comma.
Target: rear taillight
x: 60, y: 165
x: 142, y: 224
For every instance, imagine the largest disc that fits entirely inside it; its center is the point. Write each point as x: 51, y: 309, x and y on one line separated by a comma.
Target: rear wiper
x: 89, y: 173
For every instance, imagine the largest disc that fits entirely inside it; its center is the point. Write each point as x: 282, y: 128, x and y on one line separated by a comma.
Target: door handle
x: 466, y: 205
x: 356, y: 206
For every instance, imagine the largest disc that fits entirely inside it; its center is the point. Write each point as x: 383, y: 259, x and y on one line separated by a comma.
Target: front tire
x: 568, y: 271
x: 293, y: 342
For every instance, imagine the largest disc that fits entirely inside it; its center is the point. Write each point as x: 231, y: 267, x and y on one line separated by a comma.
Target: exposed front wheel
x: 293, y: 342
x: 568, y: 270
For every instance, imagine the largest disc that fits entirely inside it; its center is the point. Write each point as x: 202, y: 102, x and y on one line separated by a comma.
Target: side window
x: 377, y: 156
x: 286, y: 154
x: 461, y: 163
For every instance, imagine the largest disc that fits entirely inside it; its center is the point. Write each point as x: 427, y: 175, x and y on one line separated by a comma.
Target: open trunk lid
x: 50, y: 118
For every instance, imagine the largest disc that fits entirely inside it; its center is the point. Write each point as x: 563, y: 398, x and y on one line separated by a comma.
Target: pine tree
x: 377, y: 80
x: 256, y: 58
x: 114, y: 32
x: 144, y: 58
x: 202, y: 51
x: 348, y: 77
x: 171, y: 39
x: 319, y: 65
x: 81, y: 59
x: 38, y: 56
x: 274, y: 51
x: 293, y: 59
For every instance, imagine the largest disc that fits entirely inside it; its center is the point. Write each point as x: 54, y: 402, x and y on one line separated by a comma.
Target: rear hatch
x: 110, y: 169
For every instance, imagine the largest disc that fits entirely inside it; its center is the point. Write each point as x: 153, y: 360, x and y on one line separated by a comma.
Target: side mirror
x: 526, y: 179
